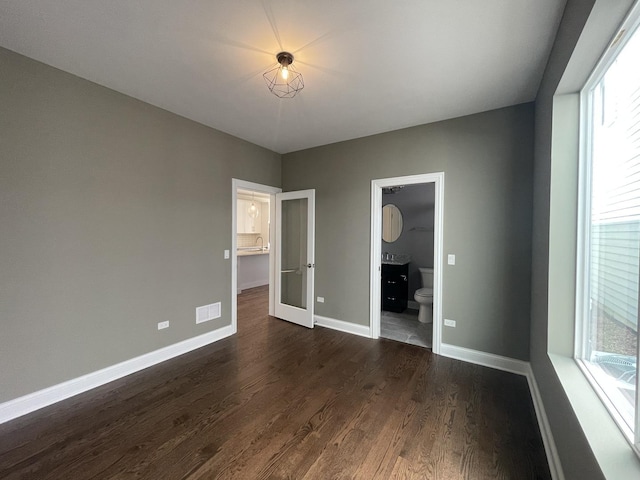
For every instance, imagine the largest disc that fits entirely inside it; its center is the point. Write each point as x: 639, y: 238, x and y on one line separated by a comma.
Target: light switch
x: 226, y: 254
x: 451, y: 259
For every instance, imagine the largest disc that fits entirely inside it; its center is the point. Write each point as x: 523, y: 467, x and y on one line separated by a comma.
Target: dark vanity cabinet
x: 395, y: 287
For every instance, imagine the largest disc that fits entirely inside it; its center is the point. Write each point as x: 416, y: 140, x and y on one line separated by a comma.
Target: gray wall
x: 114, y: 217
x: 416, y: 203
x: 487, y: 160
x: 573, y: 449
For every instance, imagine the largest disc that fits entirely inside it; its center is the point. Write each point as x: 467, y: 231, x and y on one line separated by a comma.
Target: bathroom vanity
x: 395, y: 286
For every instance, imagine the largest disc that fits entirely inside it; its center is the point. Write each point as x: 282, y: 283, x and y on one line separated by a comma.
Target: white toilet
x: 424, y: 296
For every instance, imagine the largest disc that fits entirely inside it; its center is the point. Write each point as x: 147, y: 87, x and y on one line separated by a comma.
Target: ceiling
x: 369, y: 66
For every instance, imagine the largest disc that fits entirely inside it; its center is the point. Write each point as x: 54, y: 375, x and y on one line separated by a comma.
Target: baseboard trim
x: 545, y: 429
x: 342, y: 326
x: 518, y: 367
x: 413, y: 305
x: 42, y: 398
x: 485, y: 359
x: 256, y: 283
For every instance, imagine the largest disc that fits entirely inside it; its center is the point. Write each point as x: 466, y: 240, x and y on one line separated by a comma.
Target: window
x: 609, y: 230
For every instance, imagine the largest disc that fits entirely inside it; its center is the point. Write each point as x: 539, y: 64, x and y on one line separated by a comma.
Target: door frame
x: 256, y: 187
x: 376, y: 249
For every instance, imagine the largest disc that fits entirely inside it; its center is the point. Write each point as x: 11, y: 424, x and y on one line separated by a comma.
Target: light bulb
x: 284, y: 71
x: 253, y: 210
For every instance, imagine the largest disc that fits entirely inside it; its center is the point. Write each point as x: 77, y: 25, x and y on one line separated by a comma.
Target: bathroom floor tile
x: 405, y: 327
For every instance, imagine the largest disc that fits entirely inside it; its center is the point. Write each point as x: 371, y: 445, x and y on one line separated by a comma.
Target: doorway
x: 289, y: 219
x: 403, y: 273
x: 248, y: 239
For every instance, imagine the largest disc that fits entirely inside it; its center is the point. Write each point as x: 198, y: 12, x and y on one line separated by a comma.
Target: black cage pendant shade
x: 283, y: 80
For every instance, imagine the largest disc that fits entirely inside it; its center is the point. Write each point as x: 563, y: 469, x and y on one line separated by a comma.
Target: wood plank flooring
x: 284, y: 402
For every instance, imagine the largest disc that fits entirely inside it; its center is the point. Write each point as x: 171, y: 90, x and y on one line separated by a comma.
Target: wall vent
x: 208, y: 312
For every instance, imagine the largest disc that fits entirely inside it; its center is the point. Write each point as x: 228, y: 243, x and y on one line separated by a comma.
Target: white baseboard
x: 48, y: 396
x: 486, y: 359
x: 342, y: 326
x: 255, y: 283
x: 545, y: 429
x: 519, y: 367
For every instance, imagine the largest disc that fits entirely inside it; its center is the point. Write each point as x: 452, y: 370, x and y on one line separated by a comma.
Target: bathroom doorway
x: 406, y: 259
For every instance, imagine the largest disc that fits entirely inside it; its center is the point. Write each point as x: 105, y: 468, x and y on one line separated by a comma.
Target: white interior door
x: 295, y: 233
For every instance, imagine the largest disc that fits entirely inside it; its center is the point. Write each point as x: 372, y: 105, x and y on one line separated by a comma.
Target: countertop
x: 247, y: 253
x: 396, y: 259
x: 393, y: 262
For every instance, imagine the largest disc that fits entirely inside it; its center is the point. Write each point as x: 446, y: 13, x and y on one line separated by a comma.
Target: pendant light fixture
x: 283, y: 80
x: 253, y: 210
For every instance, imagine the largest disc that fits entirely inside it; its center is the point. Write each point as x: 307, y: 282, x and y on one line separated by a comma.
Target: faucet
x: 262, y: 243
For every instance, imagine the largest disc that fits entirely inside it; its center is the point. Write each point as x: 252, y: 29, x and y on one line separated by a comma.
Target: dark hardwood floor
x: 281, y: 401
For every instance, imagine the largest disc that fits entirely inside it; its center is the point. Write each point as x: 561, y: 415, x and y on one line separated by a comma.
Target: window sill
x: 613, y: 453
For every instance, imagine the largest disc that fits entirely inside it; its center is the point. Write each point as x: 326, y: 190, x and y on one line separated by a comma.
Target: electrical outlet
x: 163, y: 325
x: 320, y: 299
x: 226, y: 254
x: 449, y: 323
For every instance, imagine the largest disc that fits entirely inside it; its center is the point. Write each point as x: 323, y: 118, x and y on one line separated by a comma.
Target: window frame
x: 630, y: 26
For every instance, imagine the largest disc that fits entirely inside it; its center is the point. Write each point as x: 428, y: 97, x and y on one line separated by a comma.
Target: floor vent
x: 208, y: 312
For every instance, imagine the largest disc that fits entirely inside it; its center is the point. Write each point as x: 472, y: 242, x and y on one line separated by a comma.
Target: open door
x: 295, y: 233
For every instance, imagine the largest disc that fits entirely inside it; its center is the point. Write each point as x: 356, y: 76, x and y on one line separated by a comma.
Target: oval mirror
x: 391, y: 223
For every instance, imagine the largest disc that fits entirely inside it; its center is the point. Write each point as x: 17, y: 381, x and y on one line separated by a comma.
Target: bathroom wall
x: 487, y: 161
x: 115, y: 215
x: 416, y: 204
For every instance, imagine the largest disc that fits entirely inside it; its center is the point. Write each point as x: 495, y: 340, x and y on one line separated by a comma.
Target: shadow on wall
x: 416, y: 203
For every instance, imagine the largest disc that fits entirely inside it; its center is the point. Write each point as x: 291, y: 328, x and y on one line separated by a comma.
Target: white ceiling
x: 369, y: 66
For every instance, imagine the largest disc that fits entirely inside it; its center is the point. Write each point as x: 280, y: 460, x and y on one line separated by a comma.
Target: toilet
x: 424, y: 296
